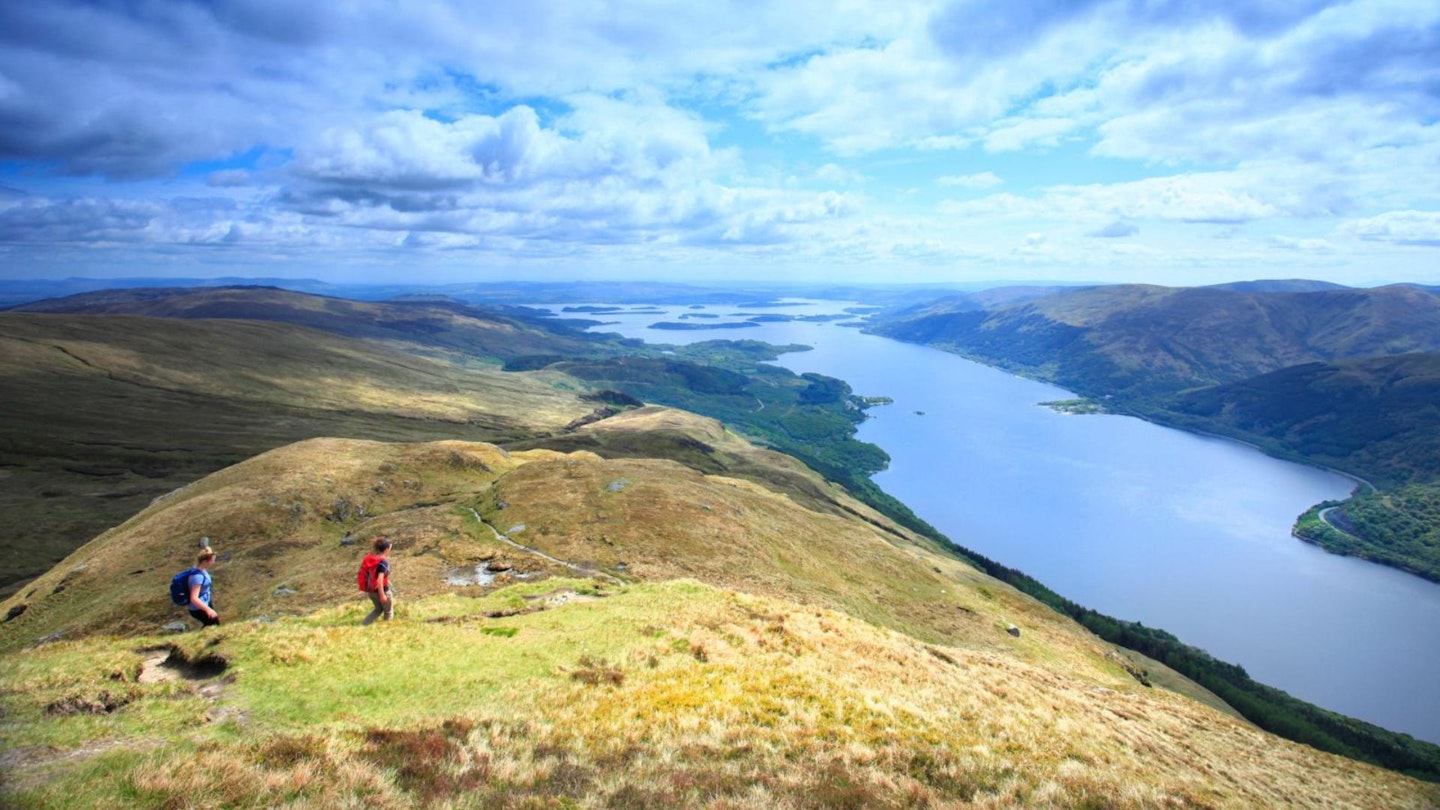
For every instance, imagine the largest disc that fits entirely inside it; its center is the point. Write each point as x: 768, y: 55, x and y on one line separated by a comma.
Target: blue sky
x: 1163, y: 141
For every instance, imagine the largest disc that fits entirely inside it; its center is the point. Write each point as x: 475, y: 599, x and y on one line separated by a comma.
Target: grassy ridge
x: 666, y: 694
x: 762, y: 650
x: 105, y: 413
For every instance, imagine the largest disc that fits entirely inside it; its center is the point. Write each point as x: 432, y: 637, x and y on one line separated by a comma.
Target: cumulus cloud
x: 576, y: 130
x: 36, y: 220
x: 132, y: 90
x: 1216, y: 83
x: 607, y: 172
x: 1399, y: 227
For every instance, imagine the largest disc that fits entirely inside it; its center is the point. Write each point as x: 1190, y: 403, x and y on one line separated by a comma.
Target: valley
x: 1344, y: 378
x: 581, y: 396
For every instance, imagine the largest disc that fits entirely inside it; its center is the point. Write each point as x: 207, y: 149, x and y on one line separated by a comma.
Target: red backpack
x: 365, y: 579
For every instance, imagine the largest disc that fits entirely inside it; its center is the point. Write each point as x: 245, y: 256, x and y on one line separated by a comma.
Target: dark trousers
x: 381, y: 609
x: 200, y: 616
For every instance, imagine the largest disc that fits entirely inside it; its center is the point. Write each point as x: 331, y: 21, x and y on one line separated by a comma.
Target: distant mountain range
x: 1338, y: 376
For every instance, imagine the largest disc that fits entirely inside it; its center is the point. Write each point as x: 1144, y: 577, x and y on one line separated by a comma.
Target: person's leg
x: 376, y: 613
x: 390, y: 606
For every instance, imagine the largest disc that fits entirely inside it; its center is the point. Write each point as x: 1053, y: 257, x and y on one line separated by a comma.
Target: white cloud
x: 1216, y: 197
x: 978, y: 180
x: 671, y: 133
x: 1302, y: 245
x: 1016, y: 134
x: 839, y: 175
x: 1398, y: 227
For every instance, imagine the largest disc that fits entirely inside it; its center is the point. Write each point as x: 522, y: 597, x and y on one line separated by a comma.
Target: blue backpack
x: 180, y: 586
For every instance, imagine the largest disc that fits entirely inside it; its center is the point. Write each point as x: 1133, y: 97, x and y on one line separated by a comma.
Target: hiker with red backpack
x: 374, y: 579
x: 191, y: 589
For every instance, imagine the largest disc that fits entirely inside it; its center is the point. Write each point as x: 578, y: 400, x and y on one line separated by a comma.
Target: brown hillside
x: 448, y: 325
x: 104, y: 413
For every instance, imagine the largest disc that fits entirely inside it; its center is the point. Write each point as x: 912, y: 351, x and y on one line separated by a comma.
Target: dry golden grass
x: 297, y: 366
x: 700, y: 697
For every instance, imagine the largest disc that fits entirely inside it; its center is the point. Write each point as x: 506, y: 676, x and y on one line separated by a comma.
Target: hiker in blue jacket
x: 199, y: 588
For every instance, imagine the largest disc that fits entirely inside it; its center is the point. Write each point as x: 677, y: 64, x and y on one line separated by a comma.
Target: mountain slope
x: 1136, y: 342
x: 496, y: 332
x: 104, y: 413
x: 724, y: 643
x: 1379, y: 417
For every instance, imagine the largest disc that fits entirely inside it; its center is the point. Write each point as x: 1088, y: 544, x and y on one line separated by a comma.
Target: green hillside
x: 477, y: 331
x: 162, y: 386
x: 652, y: 636
x: 1137, y: 342
x: 105, y: 413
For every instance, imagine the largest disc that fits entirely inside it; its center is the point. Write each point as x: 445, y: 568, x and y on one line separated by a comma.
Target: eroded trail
x: 589, y: 572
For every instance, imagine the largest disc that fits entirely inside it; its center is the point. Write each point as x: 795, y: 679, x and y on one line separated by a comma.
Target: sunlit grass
x: 660, y: 694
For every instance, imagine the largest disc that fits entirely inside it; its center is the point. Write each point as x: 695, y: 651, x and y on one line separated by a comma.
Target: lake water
x: 1182, y: 532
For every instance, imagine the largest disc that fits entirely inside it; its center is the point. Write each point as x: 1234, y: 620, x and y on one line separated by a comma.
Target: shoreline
x: 1154, y: 420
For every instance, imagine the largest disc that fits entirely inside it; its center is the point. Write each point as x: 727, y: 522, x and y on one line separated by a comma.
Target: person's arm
x: 196, y: 604
x: 382, y: 585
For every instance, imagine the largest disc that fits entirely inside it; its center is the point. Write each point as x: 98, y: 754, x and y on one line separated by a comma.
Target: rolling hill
x: 643, y: 633
x: 442, y: 324
x: 104, y: 413
x: 1137, y: 342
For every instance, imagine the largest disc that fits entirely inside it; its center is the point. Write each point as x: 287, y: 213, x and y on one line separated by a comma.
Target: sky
x: 1163, y: 141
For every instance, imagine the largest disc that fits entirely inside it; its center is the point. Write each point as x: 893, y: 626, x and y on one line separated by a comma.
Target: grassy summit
x: 753, y: 637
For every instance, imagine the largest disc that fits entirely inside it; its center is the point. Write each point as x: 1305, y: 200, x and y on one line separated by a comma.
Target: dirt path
x: 589, y: 572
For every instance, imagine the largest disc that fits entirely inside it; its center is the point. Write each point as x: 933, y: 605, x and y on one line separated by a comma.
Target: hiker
x: 198, y: 587
x: 374, y: 579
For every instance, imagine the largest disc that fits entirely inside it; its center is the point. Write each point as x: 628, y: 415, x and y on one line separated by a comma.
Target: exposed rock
x: 1013, y: 630
x: 174, y: 627
x: 15, y: 612
x: 617, y: 485
x: 347, y: 540
x: 284, y: 591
